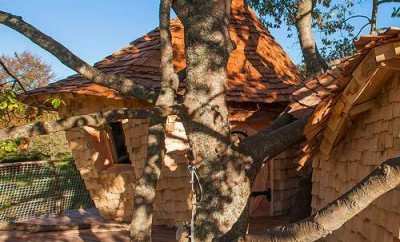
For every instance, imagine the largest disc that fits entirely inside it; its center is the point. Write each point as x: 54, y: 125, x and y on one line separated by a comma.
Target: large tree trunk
x: 225, y: 187
x: 329, y: 219
x: 145, y: 190
x: 312, y: 58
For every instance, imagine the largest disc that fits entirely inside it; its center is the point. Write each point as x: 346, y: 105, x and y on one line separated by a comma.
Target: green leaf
x: 56, y: 102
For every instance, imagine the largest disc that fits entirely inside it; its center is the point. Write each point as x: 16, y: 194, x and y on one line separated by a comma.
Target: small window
x: 118, y: 138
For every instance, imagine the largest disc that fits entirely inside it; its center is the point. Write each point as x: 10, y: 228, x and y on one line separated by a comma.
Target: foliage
x: 28, y: 68
x: 55, y: 102
x: 8, y: 146
x: 10, y: 152
x: 330, y: 20
x: 10, y: 106
x: 20, y: 74
x: 396, y: 12
x: 44, y: 147
x: 54, y: 146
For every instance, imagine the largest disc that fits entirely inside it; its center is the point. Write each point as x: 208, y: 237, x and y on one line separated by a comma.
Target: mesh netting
x: 31, y: 189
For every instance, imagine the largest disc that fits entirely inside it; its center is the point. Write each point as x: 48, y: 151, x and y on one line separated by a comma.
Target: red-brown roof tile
x: 312, y: 92
x: 319, y: 95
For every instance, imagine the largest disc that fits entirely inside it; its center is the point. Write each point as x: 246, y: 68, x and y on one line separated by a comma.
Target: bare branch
x: 388, y: 1
x: 271, y: 142
x: 357, y: 16
x: 169, y: 78
x: 93, y: 120
x: 3, y: 65
x: 383, y: 179
x: 145, y: 189
x: 361, y: 29
x: 124, y: 85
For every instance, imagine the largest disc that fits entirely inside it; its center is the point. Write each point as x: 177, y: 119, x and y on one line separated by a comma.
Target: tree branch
x: 169, y: 78
x: 357, y: 16
x: 3, y: 65
x: 37, y: 228
x: 94, y: 120
x: 388, y: 1
x: 145, y: 189
x: 383, y: 179
x: 124, y: 85
x: 271, y: 142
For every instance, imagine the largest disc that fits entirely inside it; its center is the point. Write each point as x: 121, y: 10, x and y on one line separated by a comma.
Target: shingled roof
x: 344, y: 91
x: 258, y: 69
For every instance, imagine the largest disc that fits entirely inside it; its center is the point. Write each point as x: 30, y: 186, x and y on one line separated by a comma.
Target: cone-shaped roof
x: 258, y: 69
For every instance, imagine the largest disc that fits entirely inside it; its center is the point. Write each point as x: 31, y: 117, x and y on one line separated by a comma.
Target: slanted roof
x: 345, y: 91
x: 258, y: 69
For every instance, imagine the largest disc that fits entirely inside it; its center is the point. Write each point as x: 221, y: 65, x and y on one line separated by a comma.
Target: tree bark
x: 37, y: 228
x: 145, y: 190
x: 374, y: 13
x: 382, y: 180
x: 225, y: 187
x: 312, y: 58
x: 270, y: 143
x: 124, y: 85
x: 169, y: 78
x: 94, y: 120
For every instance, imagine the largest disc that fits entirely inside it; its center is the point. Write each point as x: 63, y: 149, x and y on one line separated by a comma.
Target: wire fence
x: 31, y: 189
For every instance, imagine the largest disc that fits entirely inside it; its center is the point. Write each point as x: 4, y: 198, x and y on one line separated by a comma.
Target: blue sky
x: 94, y: 29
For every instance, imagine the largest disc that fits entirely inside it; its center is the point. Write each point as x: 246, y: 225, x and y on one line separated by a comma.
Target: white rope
x: 194, y: 175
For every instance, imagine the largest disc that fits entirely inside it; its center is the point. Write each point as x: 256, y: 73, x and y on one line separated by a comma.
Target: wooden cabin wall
x: 279, y: 175
x: 374, y: 136
x: 110, y: 185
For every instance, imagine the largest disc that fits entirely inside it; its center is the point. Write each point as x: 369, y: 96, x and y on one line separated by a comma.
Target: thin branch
x: 388, y: 1
x: 361, y: 29
x: 124, y: 85
x: 358, y: 16
x: 3, y: 65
